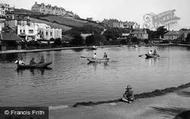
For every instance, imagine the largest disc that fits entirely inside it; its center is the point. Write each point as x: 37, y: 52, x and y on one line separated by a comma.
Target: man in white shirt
x: 94, y: 56
x: 20, y: 61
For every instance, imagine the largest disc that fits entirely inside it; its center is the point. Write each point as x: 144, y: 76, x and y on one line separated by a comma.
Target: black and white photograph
x: 94, y: 59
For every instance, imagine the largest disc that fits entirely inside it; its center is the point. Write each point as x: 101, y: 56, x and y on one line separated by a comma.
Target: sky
x: 125, y: 10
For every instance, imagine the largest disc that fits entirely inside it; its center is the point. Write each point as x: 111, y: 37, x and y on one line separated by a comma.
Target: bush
x: 90, y: 40
x: 77, y: 41
x: 57, y: 42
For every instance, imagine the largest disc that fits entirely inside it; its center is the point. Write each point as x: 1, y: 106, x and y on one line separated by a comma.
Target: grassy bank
x: 157, y: 92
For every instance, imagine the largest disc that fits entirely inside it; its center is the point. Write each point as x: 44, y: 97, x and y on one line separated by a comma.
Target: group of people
x: 151, y: 52
x: 32, y: 61
x: 104, y: 57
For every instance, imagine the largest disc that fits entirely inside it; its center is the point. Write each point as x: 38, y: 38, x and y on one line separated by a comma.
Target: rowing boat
x: 34, y: 66
x: 97, y: 60
x: 151, y: 56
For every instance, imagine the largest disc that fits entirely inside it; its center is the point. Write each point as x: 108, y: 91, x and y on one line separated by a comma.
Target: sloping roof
x: 140, y: 31
x: 8, y: 34
x: 173, y: 33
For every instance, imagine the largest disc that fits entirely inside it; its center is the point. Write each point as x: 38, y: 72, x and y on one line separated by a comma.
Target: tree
x: 188, y: 38
x: 161, y: 31
x: 57, y: 42
x: 77, y: 40
x: 113, y: 33
x: 123, y: 42
x: 90, y: 40
x: 135, y: 40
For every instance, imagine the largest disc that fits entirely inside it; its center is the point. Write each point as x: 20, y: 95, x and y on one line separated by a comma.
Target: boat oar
x: 84, y: 57
x: 141, y: 55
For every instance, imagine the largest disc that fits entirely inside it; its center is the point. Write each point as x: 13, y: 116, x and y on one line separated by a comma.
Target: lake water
x: 72, y: 79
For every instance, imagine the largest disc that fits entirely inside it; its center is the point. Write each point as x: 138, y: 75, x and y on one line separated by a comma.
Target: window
x: 20, y: 31
x: 23, y: 31
x: 51, y: 33
x: 31, y: 31
x: 46, y: 33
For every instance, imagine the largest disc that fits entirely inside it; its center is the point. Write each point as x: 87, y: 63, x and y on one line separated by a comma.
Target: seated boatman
x: 42, y: 60
x: 105, y: 55
x: 128, y: 96
x: 32, y: 61
x: 150, y: 52
x: 94, y: 56
x: 20, y: 61
x: 154, y: 52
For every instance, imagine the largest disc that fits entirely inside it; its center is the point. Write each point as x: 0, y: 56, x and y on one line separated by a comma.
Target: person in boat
x: 94, y: 56
x: 105, y: 55
x: 20, y: 61
x: 42, y: 60
x: 128, y: 96
x: 150, y: 52
x: 32, y: 61
x: 154, y: 52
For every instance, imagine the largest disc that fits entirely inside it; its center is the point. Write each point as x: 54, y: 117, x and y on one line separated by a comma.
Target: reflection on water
x: 78, y: 49
x: 105, y: 64
x: 152, y: 61
x: 33, y: 71
x: 72, y: 79
x: 8, y: 57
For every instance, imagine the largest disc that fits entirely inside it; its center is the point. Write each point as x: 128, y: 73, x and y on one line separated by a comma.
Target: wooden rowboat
x: 151, y: 56
x: 34, y: 66
x: 98, y: 60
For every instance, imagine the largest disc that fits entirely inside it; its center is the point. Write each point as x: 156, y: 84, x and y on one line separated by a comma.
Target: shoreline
x: 155, y: 93
x: 78, y: 47
x: 53, y: 49
x: 168, y: 105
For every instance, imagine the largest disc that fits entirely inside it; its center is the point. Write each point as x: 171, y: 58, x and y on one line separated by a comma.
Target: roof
x: 140, y: 31
x: 173, y: 33
x: 8, y: 34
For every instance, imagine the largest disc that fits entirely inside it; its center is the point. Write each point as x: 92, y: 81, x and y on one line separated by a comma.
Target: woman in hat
x: 128, y: 96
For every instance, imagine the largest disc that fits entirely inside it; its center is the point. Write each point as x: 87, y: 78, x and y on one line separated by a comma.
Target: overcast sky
x: 130, y: 10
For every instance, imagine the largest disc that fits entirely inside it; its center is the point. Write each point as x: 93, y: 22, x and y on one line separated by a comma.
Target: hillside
x: 53, y: 25
x: 63, y: 22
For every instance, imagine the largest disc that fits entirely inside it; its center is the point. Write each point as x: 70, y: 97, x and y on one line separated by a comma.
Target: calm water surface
x: 72, y: 79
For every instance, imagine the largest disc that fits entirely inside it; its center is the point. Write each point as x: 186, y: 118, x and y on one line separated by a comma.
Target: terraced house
x: 48, y: 9
x: 29, y: 30
x: 4, y: 8
x: 38, y: 31
x: 114, y: 23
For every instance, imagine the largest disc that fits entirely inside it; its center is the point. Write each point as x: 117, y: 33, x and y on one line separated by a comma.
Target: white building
x: 38, y: 31
x: 140, y: 34
x: 2, y: 24
x: 29, y: 32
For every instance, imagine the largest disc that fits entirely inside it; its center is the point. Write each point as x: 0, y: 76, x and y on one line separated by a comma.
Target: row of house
x: 4, y: 8
x: 15, y: 31
x: 140, y: 34
x: 114, y: 23
x: 176, y: 35
x: 48, y: 9
x: 34, y: 31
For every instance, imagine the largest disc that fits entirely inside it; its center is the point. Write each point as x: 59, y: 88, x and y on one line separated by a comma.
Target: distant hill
x: 64, y: 22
